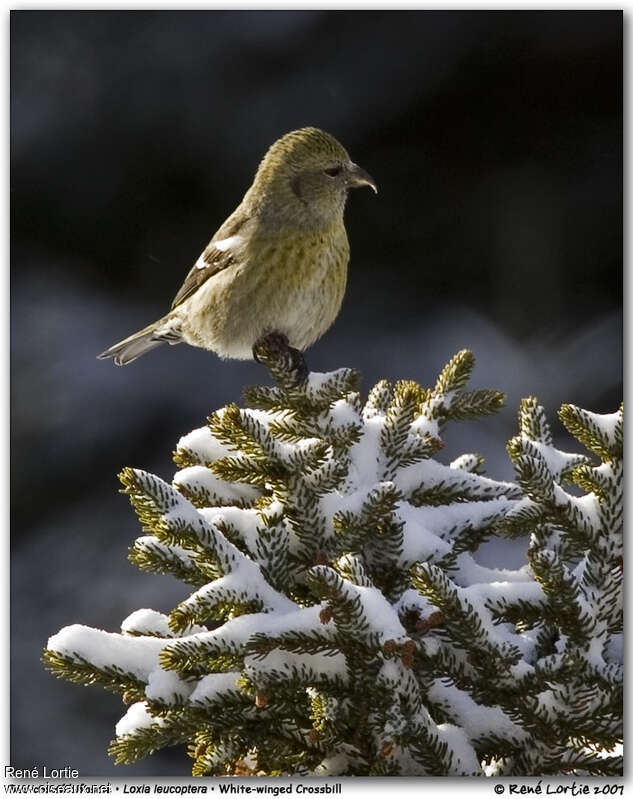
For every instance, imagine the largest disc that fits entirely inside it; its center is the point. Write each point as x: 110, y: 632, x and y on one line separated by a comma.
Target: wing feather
x: 214, y: 259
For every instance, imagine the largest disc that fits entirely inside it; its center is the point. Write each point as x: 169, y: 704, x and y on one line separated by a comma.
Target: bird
x: 275, y: 271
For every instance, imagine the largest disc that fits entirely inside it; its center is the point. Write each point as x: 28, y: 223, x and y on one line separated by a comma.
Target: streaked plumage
x: 278, y: 264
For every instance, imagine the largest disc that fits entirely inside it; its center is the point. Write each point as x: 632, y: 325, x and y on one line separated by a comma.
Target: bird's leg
x: 283, y: 361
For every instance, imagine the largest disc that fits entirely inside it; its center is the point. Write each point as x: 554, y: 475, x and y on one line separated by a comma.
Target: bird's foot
x: 285, y: 363
x: 271, y: 345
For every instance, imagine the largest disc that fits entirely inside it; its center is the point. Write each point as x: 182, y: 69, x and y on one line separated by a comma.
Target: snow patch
x: 137, y: 718
x: 135, y: 655
x: 212, y: 686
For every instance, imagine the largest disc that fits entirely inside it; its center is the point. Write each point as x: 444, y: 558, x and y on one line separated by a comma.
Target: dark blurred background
x: 496, y: 141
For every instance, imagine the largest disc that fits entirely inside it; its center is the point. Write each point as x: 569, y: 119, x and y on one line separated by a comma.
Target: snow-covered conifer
x: 338, y: 622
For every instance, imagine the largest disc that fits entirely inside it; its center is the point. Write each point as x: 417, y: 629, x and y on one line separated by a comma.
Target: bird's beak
x: 358, y: 177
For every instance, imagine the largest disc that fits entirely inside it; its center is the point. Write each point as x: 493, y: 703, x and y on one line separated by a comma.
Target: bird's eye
x: 333, y: 171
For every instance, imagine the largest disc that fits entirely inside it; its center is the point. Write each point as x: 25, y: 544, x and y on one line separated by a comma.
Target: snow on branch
x: 340, y: 622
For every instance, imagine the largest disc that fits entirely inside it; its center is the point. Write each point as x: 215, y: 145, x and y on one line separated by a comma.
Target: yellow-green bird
x: 276, y: 269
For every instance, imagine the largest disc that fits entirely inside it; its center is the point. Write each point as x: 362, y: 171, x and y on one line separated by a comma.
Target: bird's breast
x: 291, y: 283
x: 304, y: 283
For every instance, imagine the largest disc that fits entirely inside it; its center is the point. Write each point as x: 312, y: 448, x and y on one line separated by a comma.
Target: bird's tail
x: 165, y: 331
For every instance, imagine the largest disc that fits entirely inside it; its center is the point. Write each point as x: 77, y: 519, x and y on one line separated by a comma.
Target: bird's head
x: 305, y: 176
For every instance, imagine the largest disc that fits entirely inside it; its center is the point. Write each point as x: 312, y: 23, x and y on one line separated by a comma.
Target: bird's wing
x: 218, y: 255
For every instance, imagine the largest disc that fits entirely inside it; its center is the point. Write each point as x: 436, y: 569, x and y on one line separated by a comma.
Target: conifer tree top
x: 338, y: 621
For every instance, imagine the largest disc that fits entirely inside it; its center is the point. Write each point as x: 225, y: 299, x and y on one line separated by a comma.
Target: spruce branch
x: 338, y: 619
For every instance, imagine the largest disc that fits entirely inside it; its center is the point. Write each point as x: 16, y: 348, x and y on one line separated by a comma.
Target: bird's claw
x: 286, y: 364
x: 270, y: 345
